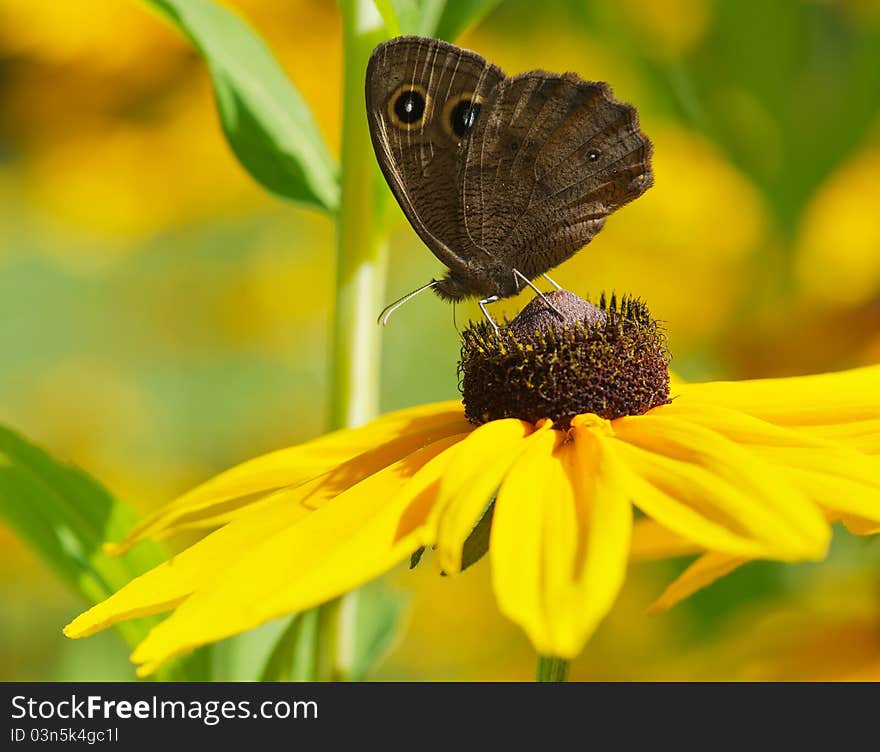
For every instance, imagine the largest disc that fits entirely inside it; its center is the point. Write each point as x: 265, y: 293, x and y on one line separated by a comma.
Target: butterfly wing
x: 551, y: 157
x: 419, y: 96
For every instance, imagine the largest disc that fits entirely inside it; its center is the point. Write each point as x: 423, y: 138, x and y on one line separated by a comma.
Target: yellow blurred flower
x: 737, y: 468
x: 101, y: 183
x: 102, y: 193
x: 641, y: 246
x: 826, y: 631
x: 90, y: 31
x: 838, y: 254
x: 669, y: 29
x: 552, y: 46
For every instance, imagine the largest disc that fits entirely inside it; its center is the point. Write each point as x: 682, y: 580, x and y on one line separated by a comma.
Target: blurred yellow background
x: 162, y: 317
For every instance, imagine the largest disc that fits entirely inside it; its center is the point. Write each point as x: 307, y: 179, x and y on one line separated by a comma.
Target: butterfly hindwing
x: 554, y: 156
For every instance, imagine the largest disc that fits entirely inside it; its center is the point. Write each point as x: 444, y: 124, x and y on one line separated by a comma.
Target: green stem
x: 325, y: 645
x: 552, y: 669
x: 361, y: 260
x: 360, y: 246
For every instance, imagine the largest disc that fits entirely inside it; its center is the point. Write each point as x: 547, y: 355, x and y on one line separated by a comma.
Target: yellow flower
x: 742, y: 470
x: 829, y: 271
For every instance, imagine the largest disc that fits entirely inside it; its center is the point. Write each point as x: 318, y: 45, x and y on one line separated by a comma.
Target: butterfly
x: 502, y: 177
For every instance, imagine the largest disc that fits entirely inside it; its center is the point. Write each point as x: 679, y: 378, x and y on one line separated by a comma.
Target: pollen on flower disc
x: 610, y: 359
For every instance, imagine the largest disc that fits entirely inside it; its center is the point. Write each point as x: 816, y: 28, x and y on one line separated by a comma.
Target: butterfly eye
x: 463, y: 116
x: 409, y: 107
x: 593, y: 155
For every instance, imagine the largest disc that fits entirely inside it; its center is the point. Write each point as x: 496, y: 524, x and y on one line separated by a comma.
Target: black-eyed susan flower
x: 566, y: 426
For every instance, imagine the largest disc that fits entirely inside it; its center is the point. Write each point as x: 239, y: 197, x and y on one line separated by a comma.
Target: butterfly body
x: 503, y: 178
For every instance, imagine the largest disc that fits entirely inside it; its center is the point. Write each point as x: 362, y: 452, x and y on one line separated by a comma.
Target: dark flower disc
x: 610, y: 359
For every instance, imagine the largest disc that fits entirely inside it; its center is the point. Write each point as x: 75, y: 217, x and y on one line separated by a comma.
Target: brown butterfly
x: 503, y: 178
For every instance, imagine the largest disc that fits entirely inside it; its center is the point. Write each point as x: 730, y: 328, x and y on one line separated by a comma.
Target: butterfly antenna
x: 388, y: 310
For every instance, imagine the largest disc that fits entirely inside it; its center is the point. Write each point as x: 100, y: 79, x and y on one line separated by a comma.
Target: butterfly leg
x: 555, y: 284
x: 482, y: 305
x: 519, y: 275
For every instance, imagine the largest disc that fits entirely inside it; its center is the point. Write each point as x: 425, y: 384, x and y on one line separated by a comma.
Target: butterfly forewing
x: 423, y: 161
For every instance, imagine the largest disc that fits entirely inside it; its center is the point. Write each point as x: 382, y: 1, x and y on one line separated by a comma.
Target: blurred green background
x: 162, y: 317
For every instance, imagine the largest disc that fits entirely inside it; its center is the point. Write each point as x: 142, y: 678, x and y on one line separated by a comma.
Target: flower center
x: 609, y: 360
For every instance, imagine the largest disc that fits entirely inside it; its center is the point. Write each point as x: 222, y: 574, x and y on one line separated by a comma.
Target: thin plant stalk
x: 361, y: 261
x: 551, y: 669
x: 361, y: 251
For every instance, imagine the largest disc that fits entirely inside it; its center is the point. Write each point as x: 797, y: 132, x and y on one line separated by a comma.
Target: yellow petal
x: 704, y: 571
x: 859, y: 525
x: 605, y: 515
x: 738, y: 426
x: 650, y: 540
x: 703, y: 486
x: 862, y: 435
x: 559, y: 540
x: 838, y: 493
x: 478, y: 467
x: 535, y: 503
x: 363, y: 532
x: 835, y: 476
x: 166, y: 585
x: 824, y: 399
x: 351, y: 454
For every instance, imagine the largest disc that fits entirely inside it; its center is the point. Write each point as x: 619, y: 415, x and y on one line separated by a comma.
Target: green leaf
x: 416, y: 557
x: 389, y: 17
x: 458, y: 16
x: 477, y: 543
x: 418, y: 17
x: 281, y: 665
x: 303, y: 651
x: 308, y: 649
x: 266, y: 121
x: 379, y: 621
x: 807, y: 63
x: 438, y: 18
x: 65, y: 517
